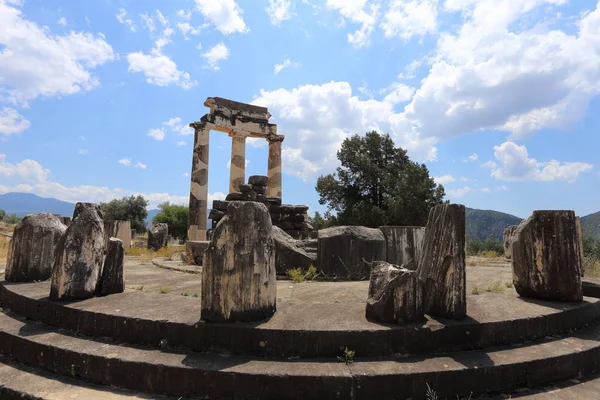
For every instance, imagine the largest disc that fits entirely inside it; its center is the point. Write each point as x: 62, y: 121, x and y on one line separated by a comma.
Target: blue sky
x: 498, y: 97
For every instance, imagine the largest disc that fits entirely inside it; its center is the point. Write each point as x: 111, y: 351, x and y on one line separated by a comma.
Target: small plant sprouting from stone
x: 508, y: 284
x: 475, y: 290
x: 185, y: 293
x: 347, y: 356
x: 73, y: 370
x: 163, y: 344
x: 197, y: 294
x: 165, y: 290
x: 430, y: 394
x: 496, y: 287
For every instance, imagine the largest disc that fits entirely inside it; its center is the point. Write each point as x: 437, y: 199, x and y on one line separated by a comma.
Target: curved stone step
x: 18, y: 381
x: 180, y: 373
x: 301, y: 327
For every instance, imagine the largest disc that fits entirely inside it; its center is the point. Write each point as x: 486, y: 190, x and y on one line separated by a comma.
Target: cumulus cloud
x: 473, y: 157
x: 444, y: 179
x: 459, y: 193
x: 159, y: 70
x: 279, y: 11
x: 67, y: 60
x: 327, y: 114
x: 174, y: 125
x: 360, y: 12
x: 157, y: 133
x: 62, y: 21
x: 27, y: 170
x: 12, y: 122
x: 408, y: 18
x: 215, y: 55
x: 125, y: 161
x: 514, y: 164
x: 225, y: 15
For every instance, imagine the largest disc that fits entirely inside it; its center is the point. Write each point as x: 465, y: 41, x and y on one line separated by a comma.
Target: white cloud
x: 122, y: 18
x: 398, y: 93
x: 161, y: 18
x: 34, y: 62
x: 496, y: 72
x: 444, y: 179
x: 140, y: 165
x: 81, y: 137
x: 215, y: 196
x: 279, y: 11
x: 181, y: 143
x: 184, y: 14
x: 38, y: 182
x: 465, y: 179
x: 516, y: 165
x: 408, y: 18
x: 503, y: 188
x: 159, y: 70
x: 185, y: 28
x: 223, y: 14
x: 472, y: 157
x: 148, y: 21
x: 156, y: 133
x: 327, y: 114
x: 216, y: 54
x: 458, y: 193
x: 27, y: 170
x: 186, y: 174
x: 62, y: 21
x: 358, y: 11
x: 83, y: 152
x: 486, y: 190
x: 125, y: 161
x: 285, y: 64
x: 12, y: 122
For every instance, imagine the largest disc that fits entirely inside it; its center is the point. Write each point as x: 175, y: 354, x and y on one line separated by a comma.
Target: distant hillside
x: 151, y: 214
x: 481, y: 224
x: 27, y: 203
x: 590, y: 225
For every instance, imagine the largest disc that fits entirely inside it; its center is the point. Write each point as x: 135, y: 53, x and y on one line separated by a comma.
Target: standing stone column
x: 237, y: 170
x: 274, y: 166
x: 199, y: 184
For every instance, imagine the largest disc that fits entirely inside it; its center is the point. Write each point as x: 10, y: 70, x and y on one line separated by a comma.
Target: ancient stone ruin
x: 240, y: 121
x: 292, y: 219
x: 112, y: 280
x: 79, y: 255
x: 509, y: 238
x: 442, y: 265
x: 345, y: 252
x: 31, y: 250
x: 546, y: 257
x: 403, y: 243
x: 158, y: 236
x: 238, y: 277
x: 118, y: 229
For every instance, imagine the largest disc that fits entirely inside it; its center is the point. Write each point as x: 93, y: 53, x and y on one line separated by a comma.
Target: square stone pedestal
x: 195, y: 250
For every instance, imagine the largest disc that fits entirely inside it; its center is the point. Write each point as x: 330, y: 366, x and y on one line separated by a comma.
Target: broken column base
x: 195, y: 251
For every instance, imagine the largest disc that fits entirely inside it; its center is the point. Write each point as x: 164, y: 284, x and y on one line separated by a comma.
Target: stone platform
x: 150, y: 339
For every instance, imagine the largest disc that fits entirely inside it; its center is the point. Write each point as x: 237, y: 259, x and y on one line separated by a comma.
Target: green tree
x: 132, y: 208
x: 377, y: 184
x: 2, y: 214
x: 12, y: 218
x: 319, y: 221
x: 176, y: 217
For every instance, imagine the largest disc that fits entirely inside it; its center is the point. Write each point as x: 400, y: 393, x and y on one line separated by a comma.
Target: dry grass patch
x: 3, y: 250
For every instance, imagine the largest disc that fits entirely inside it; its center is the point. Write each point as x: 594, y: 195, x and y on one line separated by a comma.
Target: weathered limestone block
x: 32, y: 247
x: 195, y: 251
x: 546, y: 259
x: 118, y: 229
x: 66, y: 221
x: 289, y: 253
x: 81, y: 207
x: 238, y: 276
x: 580, y: 242
x: 158, y: 236
x: 258, y: 180
x: 395, y: 294
x: 403, y: 243
x: 442, y: 264
x: 408, y: 295
x: 346, y: 251
x: 380, y: 300
x: 79, y: 257
x: 112, y: 273
x: 509, y: 238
